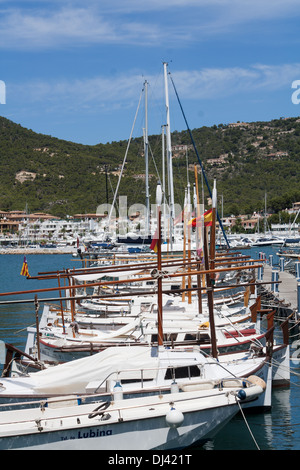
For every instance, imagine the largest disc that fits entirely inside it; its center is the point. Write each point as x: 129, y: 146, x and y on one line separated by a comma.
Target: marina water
x: 278, y: 429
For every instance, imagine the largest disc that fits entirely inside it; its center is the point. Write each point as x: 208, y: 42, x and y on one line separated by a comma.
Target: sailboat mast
x: 265, y: 218
x: 213, y: 230
x: 159, y: 265
x: 198, y: 235
x: 210, y: 279
x: 146, y: 144
x: 123, y: 164
x: 189, y: 243
x: 163, y: 180
x: 169, y: 154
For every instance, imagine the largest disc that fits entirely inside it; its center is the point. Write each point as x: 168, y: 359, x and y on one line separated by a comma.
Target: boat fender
x: 99, y: 410
x: 241, y: 394
x: 174, y: 418
x: 255, y: 380
x: 250, y: 392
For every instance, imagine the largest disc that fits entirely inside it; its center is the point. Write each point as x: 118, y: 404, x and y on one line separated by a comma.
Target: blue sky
x: 75, y: 70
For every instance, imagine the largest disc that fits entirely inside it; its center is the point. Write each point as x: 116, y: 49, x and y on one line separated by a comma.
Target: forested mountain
x: 60, y: 177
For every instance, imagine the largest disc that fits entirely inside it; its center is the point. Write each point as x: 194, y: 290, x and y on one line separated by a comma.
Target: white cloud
x: 211, y: 83
x: 123, y: 90
x: 39, y: 29
x: 65, y: 23
x: 52, y: 28
x: 75, y: 94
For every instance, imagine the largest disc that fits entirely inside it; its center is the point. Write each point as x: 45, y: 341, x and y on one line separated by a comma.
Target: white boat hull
x: 139, y: 424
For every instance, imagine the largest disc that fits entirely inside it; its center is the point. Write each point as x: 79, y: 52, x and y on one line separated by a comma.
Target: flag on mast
x: 154, y: 242
x: 207, y: 216
x: 24, y: 270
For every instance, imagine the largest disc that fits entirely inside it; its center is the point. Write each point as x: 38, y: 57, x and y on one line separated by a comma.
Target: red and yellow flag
x: 154, y: 242
x: 207, y: 216
x: 24, y: 270
x: 194, y: 222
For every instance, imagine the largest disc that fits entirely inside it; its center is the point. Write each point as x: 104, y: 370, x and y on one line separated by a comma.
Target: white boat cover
x: 88, y: 335
x: 121, y: 275
x: 94, y: 277
x: 75, y: 375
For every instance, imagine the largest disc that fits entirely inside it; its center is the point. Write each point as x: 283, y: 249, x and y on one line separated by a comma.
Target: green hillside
x: 61, y: 177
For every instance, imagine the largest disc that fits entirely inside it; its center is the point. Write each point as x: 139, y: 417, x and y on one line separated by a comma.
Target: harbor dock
x: 286, y: 291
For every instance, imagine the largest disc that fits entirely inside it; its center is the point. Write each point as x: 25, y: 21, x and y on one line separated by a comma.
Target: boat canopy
x: 75, y: 375
x: 98, y: 276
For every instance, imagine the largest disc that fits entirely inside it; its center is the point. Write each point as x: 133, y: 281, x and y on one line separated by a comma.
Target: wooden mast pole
x: 183, y: 284
x: 210, y: 277
x: 36, y: 304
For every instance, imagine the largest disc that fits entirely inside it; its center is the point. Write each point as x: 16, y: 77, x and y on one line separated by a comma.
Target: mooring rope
x: 244, y: 417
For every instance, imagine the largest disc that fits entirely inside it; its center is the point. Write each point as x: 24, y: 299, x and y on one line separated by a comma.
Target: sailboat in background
x: 135, y: 238
x: 268, y: 238
x: 169, y: 202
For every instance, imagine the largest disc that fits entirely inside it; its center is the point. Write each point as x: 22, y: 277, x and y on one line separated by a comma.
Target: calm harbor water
x: 14, y: 318
x: 278, y: 429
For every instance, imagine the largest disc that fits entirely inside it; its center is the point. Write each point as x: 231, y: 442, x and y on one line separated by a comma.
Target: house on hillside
x: 295, y: 206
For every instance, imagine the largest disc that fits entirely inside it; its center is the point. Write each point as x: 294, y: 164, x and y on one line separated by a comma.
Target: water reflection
x: 278, y: 429
x: 15, y: 318
x: 278, y: 425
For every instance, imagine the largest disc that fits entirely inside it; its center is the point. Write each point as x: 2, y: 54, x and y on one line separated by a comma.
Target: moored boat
x: 168, y: 421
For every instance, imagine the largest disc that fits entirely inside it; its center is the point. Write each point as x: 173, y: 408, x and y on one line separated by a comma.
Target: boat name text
x: 89, y: 434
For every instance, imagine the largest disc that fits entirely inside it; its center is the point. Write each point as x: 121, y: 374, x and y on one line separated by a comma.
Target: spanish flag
x: 24, y: 270
x: 154, y: 242
x: 207, y: 219
x: 194, y: 222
